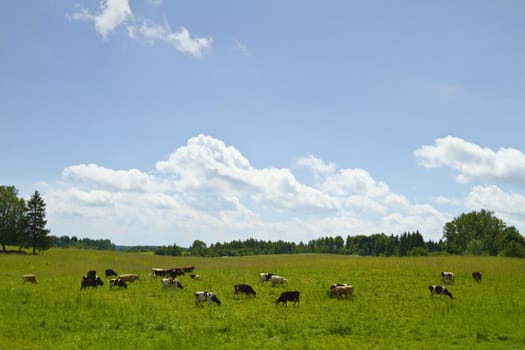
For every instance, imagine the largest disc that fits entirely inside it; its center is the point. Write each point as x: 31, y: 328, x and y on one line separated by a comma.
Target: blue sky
x: 161, y: 122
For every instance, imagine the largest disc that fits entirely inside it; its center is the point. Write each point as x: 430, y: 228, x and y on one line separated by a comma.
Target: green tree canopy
x: 480, y: 233
x: 11, y: 214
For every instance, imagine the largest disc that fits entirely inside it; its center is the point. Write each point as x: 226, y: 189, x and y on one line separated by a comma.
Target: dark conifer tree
x: 36, y: 236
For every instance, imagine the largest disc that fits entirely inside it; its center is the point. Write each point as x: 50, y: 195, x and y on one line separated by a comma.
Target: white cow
x: 210, y: 297
x: 278, y: 280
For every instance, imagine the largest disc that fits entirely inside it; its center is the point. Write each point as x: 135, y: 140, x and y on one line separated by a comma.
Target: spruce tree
x: 36, y: 235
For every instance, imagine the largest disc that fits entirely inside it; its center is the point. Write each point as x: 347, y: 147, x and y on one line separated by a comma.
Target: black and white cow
x: 210, y: 297
x: 171, y: 282
x: 285, y: 297
x: 175, y: 272
x: 90, y: 282
x: 110, y: 272
x: 447, y: 277
x: 117, y: 282
x: 243, y: 288
x: 476, y: 276
x: 265, y: 277
x: 439, y: 290
x: 195, y: 277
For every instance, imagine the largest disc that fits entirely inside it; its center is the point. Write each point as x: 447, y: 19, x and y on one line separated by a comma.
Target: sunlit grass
x: 391, y: 308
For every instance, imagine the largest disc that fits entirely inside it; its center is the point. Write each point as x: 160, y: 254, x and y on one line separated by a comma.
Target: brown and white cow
x: 29, y: 278
x: 341, y: 291
x: 129, y: 277
x: 157, y: 271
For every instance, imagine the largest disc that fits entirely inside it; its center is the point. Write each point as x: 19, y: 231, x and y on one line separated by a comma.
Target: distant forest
x: 411, y: 244
x: 475, y: 233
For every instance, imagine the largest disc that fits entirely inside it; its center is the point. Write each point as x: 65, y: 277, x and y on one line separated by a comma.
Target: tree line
x: 474, y: 233
x: 87, y: 243
x: 407, y: 244
x: 23, y: 224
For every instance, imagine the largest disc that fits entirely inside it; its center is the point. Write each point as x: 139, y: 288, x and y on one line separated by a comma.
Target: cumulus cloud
x: 210, y: 191
x: 182, y: 40
x: 473, y: 162
x: 113, y: 14
x: 130, y: 180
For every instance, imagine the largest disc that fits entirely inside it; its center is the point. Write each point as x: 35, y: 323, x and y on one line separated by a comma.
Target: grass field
x: 391, y: 308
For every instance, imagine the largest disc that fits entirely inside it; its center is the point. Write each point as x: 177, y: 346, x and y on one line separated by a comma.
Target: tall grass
x: 391, y: 308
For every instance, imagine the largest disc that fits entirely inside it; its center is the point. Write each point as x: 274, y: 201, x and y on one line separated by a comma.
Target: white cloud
x: 181, y: 40
x: 473, y: 162
x: 242, y: 47
x: 130, y: 180
x: 113, y: 14
x: 207, y: 190
x: 494, y: 198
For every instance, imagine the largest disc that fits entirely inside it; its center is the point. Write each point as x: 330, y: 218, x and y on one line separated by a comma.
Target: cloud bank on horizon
x: 206, y: 189
x: 113, y: 14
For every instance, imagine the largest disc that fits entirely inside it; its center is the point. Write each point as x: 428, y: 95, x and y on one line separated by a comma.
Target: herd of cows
x: 448, y: 277
x: 169, y: 278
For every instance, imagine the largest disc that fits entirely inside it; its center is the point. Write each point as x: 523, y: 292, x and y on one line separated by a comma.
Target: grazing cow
x: 29, y: 278
x: 243, y: 288
x: 129, y: 277
x: 195, y: 277
x: 278, y: 280
x: 447, y: 277
x: 265, y: 277
x: 90, y: 282
x: 210, y: 297
x: 333, y: 285
x: 285, y: 297
x: 156, y: 272
x: 91, y: 274
x: 341, y: 291
x: 188, y: 268
x: 117, y: 282
x: 171, y: 282
x: 476, y: 276
x: 439, y: 290
x: 110, y: 272
x: 175, y: 272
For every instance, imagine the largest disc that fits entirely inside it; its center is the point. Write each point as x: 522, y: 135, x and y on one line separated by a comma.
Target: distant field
x: 391, y: 308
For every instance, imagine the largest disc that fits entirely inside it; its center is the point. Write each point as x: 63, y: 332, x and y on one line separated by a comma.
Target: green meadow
x: 391, y: 307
